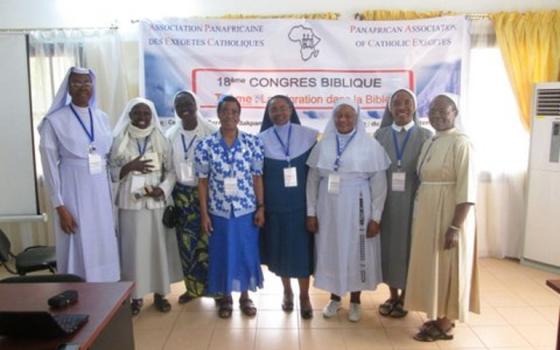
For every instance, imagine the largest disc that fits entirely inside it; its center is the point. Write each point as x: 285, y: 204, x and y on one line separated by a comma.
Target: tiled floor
x: 518, y: 312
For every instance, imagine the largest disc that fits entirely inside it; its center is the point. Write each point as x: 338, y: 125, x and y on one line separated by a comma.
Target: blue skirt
x: 286, y: 246
x: 233, y: 249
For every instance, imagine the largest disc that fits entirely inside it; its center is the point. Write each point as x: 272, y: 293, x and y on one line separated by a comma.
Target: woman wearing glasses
x: 75, y: 141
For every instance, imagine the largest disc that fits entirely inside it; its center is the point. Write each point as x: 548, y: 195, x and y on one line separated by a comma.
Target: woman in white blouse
x: 190, y: 129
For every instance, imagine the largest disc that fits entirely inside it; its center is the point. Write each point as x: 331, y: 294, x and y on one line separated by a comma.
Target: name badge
x: 186, y: 172
x: 137, y: 184
x: 95, y: 163
x: 230, y: 186
x: 398, y: 181
x: 333, y: 184
x: 290, y: 177
x: 154, y: 158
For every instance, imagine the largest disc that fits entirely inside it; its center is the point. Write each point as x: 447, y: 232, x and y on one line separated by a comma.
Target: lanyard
x: 185, y: 147
x: 142, y: 150
x: 339, y: 151
x: 286, y: 147
x: 91, y: 135
x: 398, y: 149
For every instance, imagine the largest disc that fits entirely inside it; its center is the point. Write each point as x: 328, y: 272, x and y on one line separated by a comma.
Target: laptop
x: 39, y: 324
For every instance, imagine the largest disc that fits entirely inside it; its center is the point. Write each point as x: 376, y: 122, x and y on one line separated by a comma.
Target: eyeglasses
x: 79, y: 84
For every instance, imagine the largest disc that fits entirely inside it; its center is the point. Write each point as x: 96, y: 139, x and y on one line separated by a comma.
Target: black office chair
x: 34, y: 258
x: 56, y: 278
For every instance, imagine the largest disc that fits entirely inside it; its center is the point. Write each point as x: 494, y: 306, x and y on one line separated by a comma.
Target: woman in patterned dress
x: 229, y: 167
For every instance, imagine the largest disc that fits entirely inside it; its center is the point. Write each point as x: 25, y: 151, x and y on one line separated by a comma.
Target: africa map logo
x: 307, y: 41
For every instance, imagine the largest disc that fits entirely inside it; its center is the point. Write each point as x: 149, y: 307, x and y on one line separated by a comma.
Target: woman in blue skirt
x: 229, y: 167
x: 286, y: 246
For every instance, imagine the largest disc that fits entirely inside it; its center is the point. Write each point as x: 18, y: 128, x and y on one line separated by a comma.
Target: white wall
x: 22, y: 14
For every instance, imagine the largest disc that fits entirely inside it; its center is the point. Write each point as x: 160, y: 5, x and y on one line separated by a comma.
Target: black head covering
x: 267, y: 122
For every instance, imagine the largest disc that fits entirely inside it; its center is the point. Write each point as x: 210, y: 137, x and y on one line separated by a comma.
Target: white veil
x: 363, y: 153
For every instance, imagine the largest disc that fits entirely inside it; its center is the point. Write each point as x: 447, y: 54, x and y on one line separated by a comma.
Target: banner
x: 315, y: 62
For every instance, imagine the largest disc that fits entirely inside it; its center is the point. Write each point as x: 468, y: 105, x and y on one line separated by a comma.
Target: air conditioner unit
x: 542, y: 225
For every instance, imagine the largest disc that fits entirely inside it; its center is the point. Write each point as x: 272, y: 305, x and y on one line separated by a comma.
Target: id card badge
x: 398, y: 181
x: 333, y: 184
x: 230, y: 186
x: 290, y: 177
x: 95, y: 163
x: 186, y: 172
x: 137, y: 184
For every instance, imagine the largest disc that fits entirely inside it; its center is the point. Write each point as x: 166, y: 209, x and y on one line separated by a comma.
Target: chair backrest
x: 56, y: 278
x: 5, y: 247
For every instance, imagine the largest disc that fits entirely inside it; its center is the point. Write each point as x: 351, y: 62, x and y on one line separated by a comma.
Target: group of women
x: 349, y: 209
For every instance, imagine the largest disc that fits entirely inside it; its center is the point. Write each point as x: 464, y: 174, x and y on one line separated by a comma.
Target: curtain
x: 389, y: 15
x: 501, y: 148
x: 325, y: 15
x: 530, y: 44
x: 51, y: 53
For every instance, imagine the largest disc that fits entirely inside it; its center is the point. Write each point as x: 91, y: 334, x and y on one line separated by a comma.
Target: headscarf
x: 455, y: 100
x: 203, y: 124
x: 63, y: 98
x: 267, y: 122
x: 301, y: 138
x: 363, y: 153
x: 388, y: 115
x: 59, y: 121
x: 124, y: 131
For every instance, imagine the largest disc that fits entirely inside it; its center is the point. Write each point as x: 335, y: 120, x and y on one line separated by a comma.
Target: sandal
x: 161, y: 303
x: 432, y: 332
x: 136, y: 305
x: 225, y: 307
x: 288, y: 302
x: 247, y: 307
x: 398, y: 311
x: 387, y: 307
x: 431, y: 323
x: 185, y: 298
x: 306, y: 310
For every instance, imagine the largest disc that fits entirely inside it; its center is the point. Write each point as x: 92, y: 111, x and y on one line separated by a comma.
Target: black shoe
x: 306, y: 311
x: 185, y: 298
x: 135, y: 306
x: 161, y: 303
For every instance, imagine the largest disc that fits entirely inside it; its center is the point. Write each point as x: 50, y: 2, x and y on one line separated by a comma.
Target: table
x: 107, y: 304
x: 555, y: 284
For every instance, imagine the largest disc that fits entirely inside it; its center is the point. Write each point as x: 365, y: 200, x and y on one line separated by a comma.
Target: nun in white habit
x: 75, y: 140
x: 346, y: 189
x: 140, y: 164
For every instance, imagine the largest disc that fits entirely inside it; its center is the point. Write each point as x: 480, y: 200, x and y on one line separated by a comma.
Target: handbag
x: 170, y: 216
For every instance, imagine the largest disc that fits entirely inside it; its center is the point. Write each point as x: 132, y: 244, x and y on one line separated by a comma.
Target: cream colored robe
x: 443, y: 282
